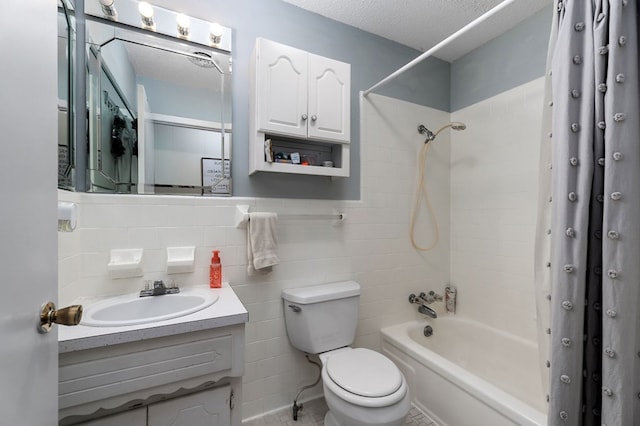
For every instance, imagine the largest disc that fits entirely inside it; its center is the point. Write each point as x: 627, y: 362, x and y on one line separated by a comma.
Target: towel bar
x: 242, y: 216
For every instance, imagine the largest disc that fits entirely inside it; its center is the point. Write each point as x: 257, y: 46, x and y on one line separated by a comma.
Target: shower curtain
x: 594, y: 235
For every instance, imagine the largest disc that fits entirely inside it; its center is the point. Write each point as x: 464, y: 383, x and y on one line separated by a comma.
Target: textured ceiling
x: 421, y: 24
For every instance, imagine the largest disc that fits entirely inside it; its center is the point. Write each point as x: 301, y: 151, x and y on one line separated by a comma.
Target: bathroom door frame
x: 28, y: 225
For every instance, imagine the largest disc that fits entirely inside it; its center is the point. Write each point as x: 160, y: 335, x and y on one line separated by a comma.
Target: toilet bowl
x: 361, y: 387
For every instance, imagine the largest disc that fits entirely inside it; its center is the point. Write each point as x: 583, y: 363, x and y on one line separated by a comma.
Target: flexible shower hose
x: 422, y: 189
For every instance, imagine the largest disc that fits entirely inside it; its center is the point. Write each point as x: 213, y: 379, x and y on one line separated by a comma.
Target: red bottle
x: 215, y: 271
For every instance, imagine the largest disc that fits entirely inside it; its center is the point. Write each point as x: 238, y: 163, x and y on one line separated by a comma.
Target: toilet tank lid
x: 322, y: 292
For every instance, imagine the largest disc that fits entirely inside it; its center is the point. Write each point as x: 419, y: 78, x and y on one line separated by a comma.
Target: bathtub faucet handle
x: 425, y: 299
x: 435, y: 297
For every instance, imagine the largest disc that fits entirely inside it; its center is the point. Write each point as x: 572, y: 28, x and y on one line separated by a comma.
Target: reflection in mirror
x: 66, y: 48
x: 156, y: 109
x: 158, y: 104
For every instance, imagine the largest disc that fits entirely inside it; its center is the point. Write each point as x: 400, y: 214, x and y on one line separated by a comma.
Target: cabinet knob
x: 304, y: 117
x: 314, y: 117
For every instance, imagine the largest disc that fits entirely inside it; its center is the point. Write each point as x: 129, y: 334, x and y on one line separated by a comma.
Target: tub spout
x: 424, y: 309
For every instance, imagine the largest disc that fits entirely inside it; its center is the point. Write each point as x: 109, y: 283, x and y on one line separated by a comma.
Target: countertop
x: 227, y: 311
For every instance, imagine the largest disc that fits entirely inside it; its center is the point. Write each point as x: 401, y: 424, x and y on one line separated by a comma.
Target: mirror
x: 66, y: 49
x: 158, y: 108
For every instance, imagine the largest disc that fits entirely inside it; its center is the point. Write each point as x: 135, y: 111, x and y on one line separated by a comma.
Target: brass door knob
x: 71, y: 315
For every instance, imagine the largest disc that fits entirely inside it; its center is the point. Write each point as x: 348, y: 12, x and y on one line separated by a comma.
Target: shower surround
x: 494, y: 184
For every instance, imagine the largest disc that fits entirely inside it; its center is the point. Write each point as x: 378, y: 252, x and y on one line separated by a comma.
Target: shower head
x: 455, y: 125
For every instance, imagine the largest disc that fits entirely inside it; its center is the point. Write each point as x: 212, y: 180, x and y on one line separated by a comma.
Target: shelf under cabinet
x: 314, y: 152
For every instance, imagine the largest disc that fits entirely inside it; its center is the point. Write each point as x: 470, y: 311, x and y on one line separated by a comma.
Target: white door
x: 281, y: 89
x: 329, y: 99
x: 28, y: 224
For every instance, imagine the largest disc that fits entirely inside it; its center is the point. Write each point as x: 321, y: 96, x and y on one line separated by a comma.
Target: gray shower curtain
x: 594, y: 363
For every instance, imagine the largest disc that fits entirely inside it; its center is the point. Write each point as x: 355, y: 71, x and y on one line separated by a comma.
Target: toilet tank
x: 322, y: 317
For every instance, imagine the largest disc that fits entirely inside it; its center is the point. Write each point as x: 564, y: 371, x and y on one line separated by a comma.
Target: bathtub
x: 468, y: 374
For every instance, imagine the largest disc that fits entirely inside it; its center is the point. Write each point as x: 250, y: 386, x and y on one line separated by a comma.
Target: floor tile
x: 312, y: 414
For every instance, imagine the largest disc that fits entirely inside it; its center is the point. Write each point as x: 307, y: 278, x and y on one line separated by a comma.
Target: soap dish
x: 125, y: 263
x: 180, y: 260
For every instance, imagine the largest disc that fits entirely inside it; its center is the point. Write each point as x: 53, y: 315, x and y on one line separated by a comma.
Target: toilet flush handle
x: 295, y: 308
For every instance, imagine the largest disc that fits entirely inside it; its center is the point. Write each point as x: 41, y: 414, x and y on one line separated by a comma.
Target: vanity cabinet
x: 300, y: 102
x: 184, y: 379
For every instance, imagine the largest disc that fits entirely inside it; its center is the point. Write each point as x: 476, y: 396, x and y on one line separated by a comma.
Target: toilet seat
x: 364, y: 377
x: 364, y: 372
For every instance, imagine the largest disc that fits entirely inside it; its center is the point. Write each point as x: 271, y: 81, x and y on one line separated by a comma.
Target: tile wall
x: 494, y: 184
x: 371, y: 246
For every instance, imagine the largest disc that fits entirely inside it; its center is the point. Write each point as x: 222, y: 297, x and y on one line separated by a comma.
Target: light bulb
x: 145, y: 9
x: 146, y: 12
x: 216, y: 33
x: 183, y: 24
x: 108, y: 9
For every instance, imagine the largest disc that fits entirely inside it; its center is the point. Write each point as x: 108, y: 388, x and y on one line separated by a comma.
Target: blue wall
x: 372, y: 58
x: 509, y: 60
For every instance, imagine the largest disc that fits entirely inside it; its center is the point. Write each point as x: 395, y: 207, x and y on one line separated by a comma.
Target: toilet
x: 361, y: 387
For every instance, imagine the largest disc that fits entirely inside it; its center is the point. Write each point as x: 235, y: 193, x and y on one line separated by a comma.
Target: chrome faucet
x: 424, y: 309
x: 426, y: 299
x: 158, y: 289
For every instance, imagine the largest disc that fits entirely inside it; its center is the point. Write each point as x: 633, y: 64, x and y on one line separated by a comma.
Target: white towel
x: 262, y: 242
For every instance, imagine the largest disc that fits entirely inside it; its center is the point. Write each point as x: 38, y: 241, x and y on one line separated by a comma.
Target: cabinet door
x: 281, y: 89
x: 206, y: 408
x: 137, y: 417
x: 329, y: 99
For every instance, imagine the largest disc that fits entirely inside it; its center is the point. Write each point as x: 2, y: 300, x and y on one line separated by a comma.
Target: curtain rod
x: 440, y: 45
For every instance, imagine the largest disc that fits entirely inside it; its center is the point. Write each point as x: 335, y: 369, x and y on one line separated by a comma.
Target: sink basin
x: 130, y: 309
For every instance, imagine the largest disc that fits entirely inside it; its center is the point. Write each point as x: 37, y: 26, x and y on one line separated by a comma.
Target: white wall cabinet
x: 300, y: 94
x: 302, y: 100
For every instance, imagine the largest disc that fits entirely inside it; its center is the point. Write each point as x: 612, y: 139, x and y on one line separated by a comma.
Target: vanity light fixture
x: 146, y: 13
x: 109, y: 9
x: 183, y: 25
x: 216, y: 33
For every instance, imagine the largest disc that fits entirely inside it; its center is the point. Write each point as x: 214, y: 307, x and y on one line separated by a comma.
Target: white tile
x: 254, y: 351
x: 180, y: 215
x: 252, y: 408
x: 177, y: 236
